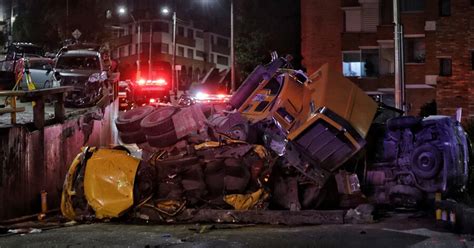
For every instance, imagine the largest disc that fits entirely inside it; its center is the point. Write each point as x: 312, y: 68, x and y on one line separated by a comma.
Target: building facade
x: 356, y: 36
x: 197, y: 51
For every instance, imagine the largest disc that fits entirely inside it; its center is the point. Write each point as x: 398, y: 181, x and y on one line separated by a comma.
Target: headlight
x: 94, y: 78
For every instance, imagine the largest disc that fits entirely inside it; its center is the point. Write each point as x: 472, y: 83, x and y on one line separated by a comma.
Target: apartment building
x: 356, y: 36
x: 197, y: 50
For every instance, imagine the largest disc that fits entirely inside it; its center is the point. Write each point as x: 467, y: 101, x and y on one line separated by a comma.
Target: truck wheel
x: 130, y: 121
x: 159, y: 121
x: 132, y: 137
x: 163, y: 140
x: 403, y: 122
x: 426, y: 161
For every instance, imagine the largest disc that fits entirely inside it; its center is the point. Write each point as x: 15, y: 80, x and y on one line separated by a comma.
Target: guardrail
x: 38, y: 96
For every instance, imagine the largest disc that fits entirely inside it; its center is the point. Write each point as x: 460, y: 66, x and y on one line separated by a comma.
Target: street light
x: 166, y: 11
x: 122, y: 11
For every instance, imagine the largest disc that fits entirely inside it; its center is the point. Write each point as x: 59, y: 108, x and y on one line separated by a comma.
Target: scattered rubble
x: 283, y: 142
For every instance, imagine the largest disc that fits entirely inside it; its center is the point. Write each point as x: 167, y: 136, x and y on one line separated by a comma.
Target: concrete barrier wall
x: 32, y: 161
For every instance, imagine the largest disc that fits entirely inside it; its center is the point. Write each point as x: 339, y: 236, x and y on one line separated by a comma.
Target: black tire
x: 159, y: 121
x: 426, y: 161
x: 163, y: 140
x: 132, y: 137
x: 403, y: 122
x: 130, y: 121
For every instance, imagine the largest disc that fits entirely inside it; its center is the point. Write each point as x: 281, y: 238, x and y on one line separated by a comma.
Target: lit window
x: 444, y: 7
x: 351, y: 65
x: 445, y: 67
x: 415, y: 50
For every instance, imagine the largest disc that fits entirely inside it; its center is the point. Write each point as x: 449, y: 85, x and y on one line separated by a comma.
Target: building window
x: 412, y: 5
x: 200, y: 34
x: 130, y: 49
x: 370, y: 62
x: 199, y: 54
x: 181, y: 31
x: 190, y: 33
x: 445, y: 67
x: 444, y: 7
x: 351, y: 65
x: 164, y: 48
x: 353, y: 20
x: 190, y: 53
x: 222, y: 60
x: 181, y: 51
x: 222, y: 42
x: 415, y: 50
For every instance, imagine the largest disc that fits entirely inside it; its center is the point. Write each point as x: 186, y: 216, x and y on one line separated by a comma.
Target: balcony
x: 185, y: 41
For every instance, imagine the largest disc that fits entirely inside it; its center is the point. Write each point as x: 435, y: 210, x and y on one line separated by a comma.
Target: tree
x: 46, y: 22
x: 264, y: 26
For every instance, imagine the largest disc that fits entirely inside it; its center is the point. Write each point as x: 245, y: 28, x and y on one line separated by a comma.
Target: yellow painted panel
x: 108, y: 182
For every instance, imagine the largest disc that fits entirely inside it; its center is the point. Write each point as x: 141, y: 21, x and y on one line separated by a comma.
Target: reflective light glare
x: 152, y: 100
x: 122, y: 10
x: 201, y: 96
x: 141, y: 81
x: 220, y: 96
x: 161, y: 81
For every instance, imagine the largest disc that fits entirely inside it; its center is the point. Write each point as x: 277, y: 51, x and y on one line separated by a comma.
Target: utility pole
x: 173, y: 69
x: 399, y: 59
x: 232, y: 55
x: 149, y: 51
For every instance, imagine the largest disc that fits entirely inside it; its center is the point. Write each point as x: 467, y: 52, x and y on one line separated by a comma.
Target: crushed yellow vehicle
x: 103, y: 177
x: 287, y: 135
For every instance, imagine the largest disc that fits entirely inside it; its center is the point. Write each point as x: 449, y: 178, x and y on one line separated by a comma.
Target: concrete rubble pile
x: 280, y: 143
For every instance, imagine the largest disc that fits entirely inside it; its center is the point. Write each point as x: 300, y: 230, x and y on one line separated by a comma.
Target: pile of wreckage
x: 284, y: 141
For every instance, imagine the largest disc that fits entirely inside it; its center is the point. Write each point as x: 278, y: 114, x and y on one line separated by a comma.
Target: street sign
x: 177, y: 67
x: 76, y: 34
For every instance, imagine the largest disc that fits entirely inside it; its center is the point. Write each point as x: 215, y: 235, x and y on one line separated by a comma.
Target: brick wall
x: 455, y: 38
x: 321, y: 28
x: 323, y: 39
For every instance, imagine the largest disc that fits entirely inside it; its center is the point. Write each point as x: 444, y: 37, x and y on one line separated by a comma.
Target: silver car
x: 41, y: 71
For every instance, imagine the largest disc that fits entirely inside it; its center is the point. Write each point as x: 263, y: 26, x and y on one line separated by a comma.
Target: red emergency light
x: 157, y: 82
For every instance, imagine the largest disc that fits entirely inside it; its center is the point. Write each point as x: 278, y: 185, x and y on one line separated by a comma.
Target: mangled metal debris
x: 278, y: 145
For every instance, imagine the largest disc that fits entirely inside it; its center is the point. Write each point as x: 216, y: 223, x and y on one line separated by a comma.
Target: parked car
x: 41, y: 72
x: 84, y: 70
x: 15, y: 52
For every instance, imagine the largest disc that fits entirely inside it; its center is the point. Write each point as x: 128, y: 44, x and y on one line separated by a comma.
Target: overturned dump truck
x: 284, y: 141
